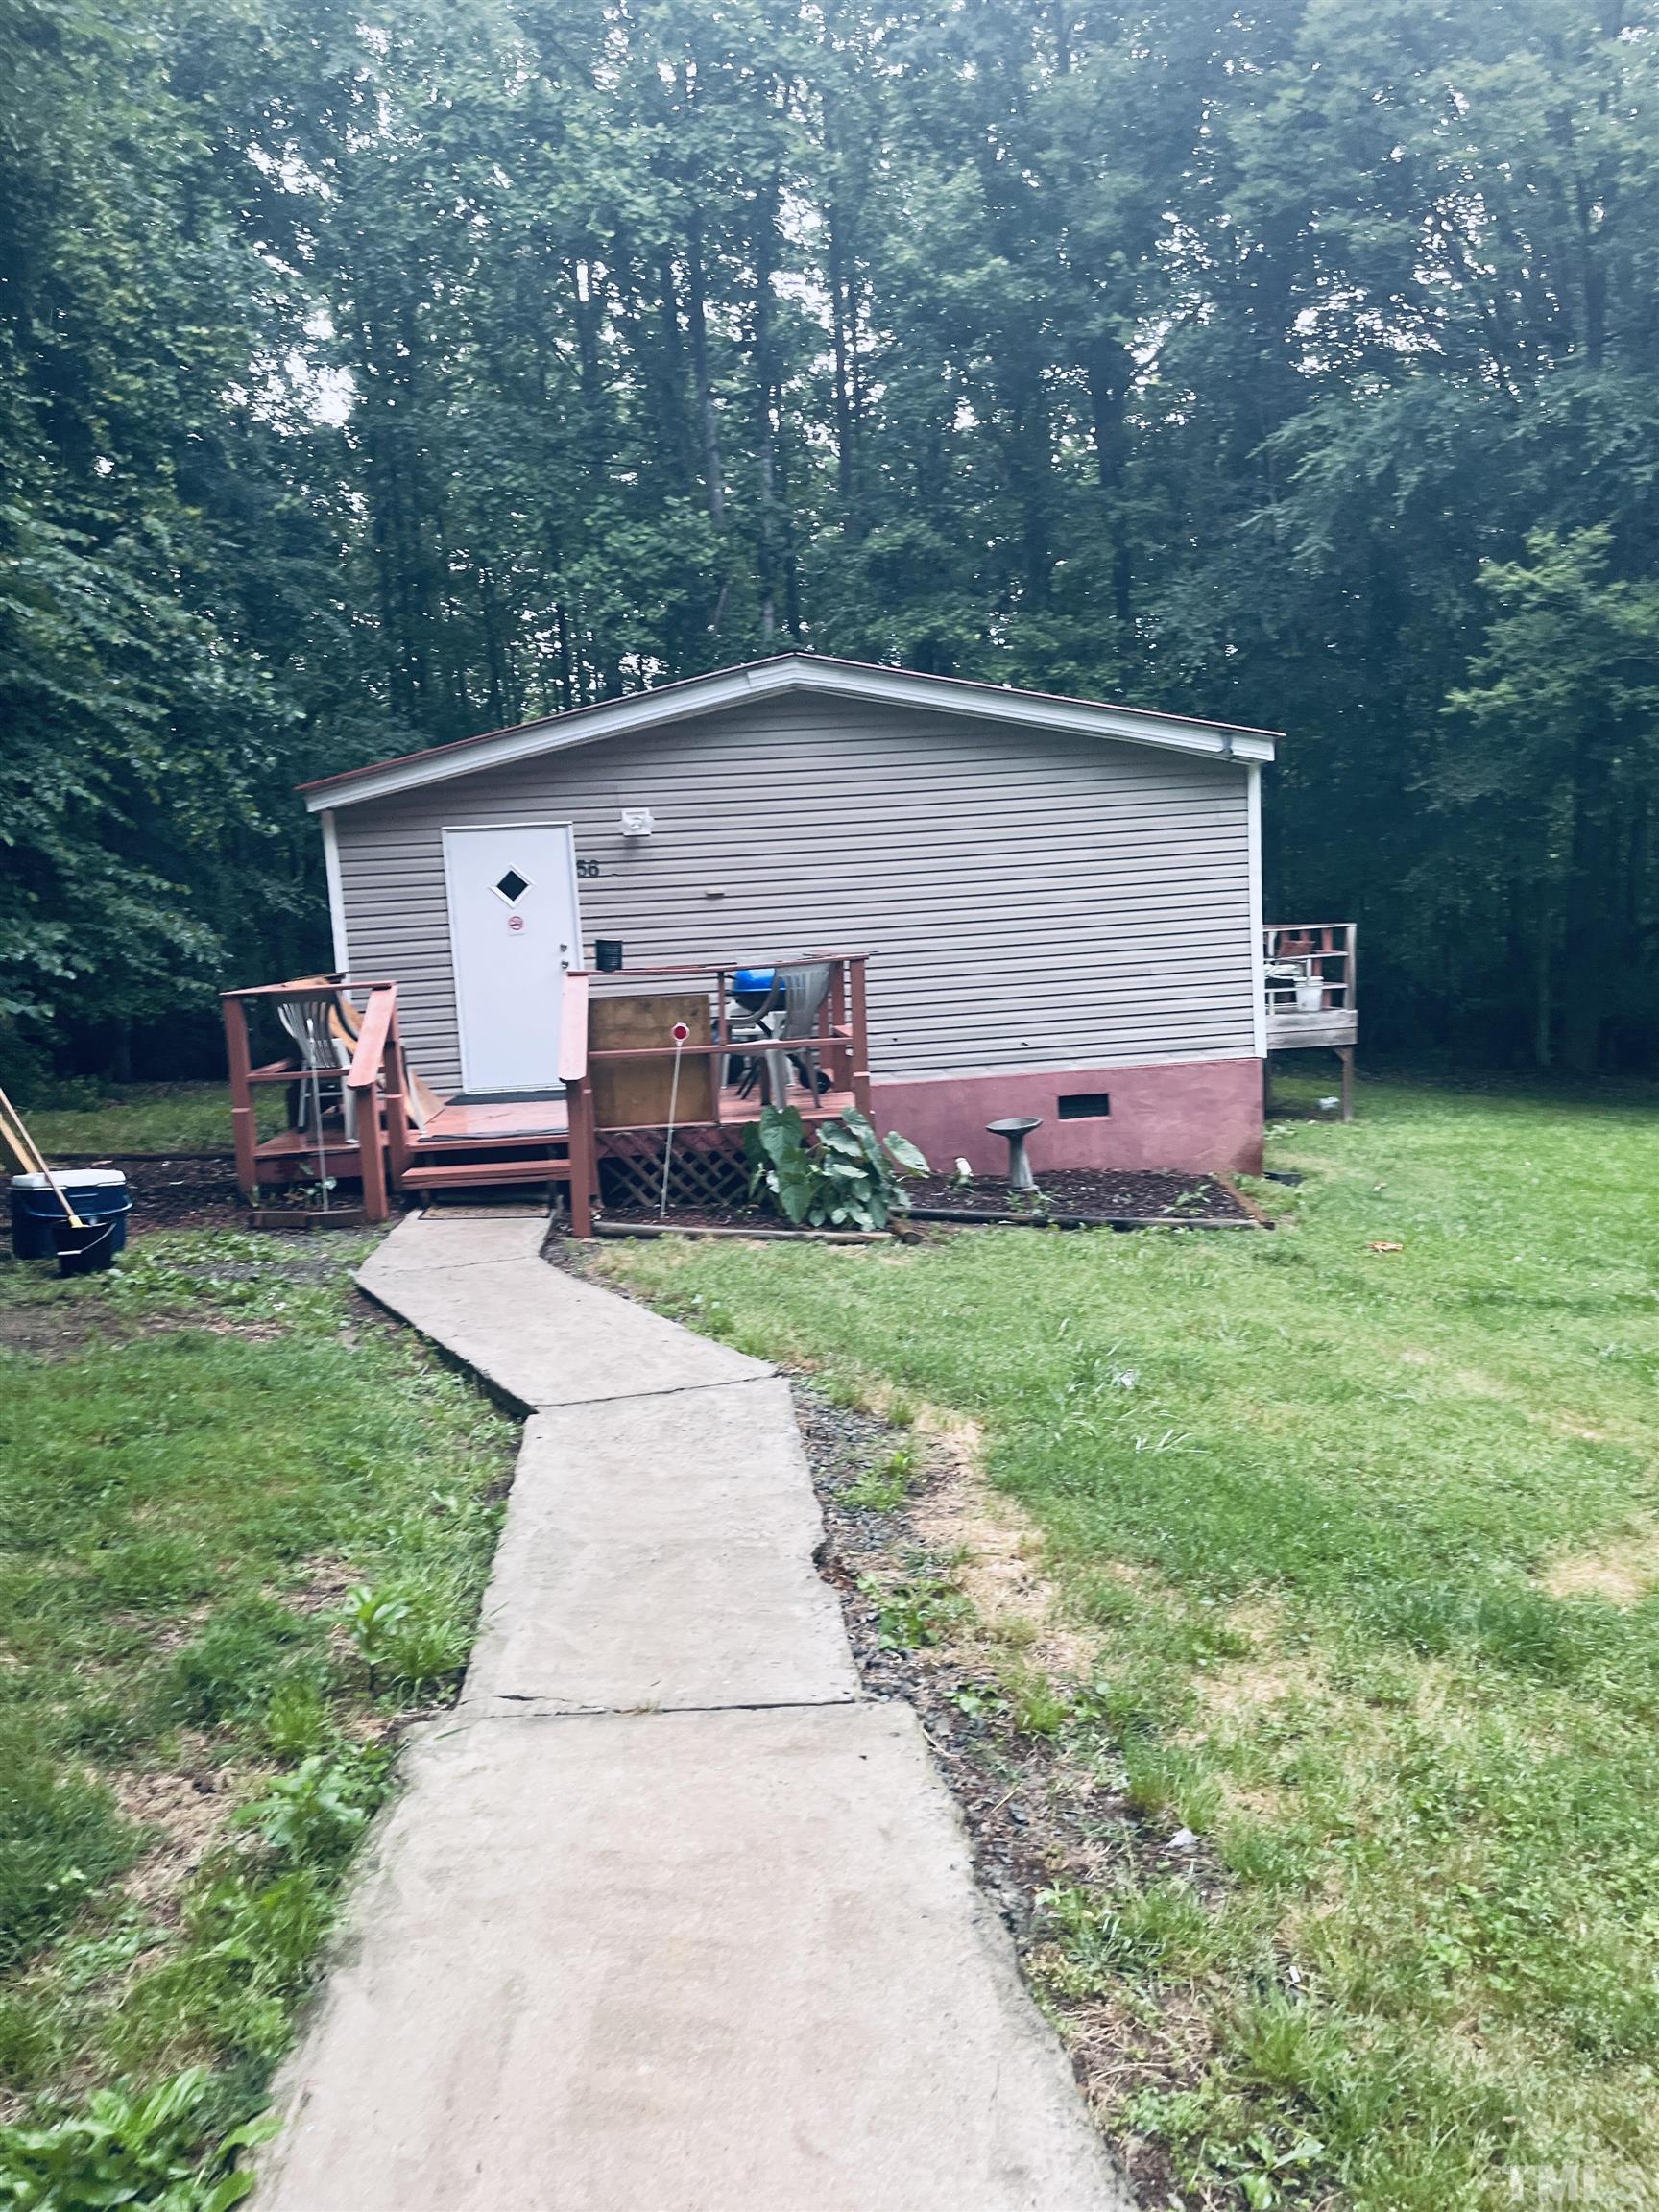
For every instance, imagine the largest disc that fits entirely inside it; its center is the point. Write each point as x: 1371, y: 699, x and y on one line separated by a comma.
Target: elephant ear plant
x: 849, y: 1179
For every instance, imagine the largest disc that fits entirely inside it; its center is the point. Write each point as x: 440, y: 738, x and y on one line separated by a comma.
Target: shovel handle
x: 12, y: 1127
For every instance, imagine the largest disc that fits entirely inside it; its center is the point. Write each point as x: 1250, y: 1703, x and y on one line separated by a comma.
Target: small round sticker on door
x: 515, y: 922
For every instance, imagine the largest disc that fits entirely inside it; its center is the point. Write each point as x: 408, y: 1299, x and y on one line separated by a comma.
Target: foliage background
x: 374, y: 375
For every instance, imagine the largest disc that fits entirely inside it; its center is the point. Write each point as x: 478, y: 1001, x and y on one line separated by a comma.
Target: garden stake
x: 679, y: 1033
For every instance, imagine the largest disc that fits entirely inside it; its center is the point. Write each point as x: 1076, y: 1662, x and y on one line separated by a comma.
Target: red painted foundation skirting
x: 1195, y: 1114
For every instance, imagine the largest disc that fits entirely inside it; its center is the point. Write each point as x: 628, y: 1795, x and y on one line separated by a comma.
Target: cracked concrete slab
x: 681, y: 1962
x: 539, y: 1336
x: 658, y: 1551
x: 424, y: 1241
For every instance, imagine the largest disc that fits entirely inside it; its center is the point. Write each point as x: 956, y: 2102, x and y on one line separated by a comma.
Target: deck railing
x: 374, y: 1076
x: 578, y: 1103
x: 840, y: 1042
x: 841, y: 1038
x: 385, y: 1145
x: 1310, y: 979
x: 1311, y: 970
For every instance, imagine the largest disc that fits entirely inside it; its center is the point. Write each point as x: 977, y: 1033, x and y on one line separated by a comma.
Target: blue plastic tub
x: 40, y: 1230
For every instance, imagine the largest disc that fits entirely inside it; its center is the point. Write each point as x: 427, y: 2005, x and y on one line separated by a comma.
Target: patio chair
x: 747, y: 1027
x: 803, y: 990
x: 323, y: 1029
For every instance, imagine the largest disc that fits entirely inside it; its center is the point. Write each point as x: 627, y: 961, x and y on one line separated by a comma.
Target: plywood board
x: 634, y: 1094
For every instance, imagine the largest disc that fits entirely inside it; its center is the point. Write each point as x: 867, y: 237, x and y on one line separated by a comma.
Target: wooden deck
x: 505, y: 1122
x: 1310, y: 981
x: 548, y: 1139
x: 499, y: 1121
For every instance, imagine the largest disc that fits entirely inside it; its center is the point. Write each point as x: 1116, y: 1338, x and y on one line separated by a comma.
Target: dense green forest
x: 372, y: 375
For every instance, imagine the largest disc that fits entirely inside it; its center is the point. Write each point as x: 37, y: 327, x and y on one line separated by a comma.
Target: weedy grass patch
x: 244, y: 1530
x: 1361, y: 1522
x: 85, y: 1117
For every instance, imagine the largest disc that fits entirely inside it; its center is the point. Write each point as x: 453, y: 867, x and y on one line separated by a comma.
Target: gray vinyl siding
x: 1031, y: 901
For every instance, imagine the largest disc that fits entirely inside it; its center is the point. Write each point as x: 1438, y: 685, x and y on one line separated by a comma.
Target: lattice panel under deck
x: 698, y: 1175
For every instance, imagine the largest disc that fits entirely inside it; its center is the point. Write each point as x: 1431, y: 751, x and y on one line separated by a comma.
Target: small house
x: 1061, y: 900
x: 1020, y: 905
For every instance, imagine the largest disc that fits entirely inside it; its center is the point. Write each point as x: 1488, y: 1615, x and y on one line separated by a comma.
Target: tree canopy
x: 374, y: 375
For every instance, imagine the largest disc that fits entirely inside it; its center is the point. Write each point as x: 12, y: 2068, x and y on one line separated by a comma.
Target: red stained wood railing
x: 243, y: 1121
x: 366, y: 1076
x: 841, y: 1036
x: 581, y: 1145
x: 375, y: 1068
x: 386, y: 1143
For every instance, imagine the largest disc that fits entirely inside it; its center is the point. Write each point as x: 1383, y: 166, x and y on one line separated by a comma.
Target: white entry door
x: 514, y: 931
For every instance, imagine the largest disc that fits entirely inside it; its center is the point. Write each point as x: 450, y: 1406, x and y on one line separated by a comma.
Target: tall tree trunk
x: 1111, y: 371
x: 672, y: 376
x: 697, y: 318
x: 843, y: 327
x: 765, y: 380
x: 844, y: 337
x: 1544, y: 989
x: 566, y: 669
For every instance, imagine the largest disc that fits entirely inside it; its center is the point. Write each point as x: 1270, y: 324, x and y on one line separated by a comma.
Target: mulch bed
x: 197, y: 1190
x: 1084, y: 1193
x: 691, y: 1217
x: 187, y: 1191
x: 1067, y: 1194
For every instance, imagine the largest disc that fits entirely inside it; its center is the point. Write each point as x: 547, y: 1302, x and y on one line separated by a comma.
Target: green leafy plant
x: 885, y: 1487
x: 850, y: 1178
x: 315, y: 1812
x: 1035, y: 1706
x: 920, y: 1611
x: 426, y: 1646
x: 374, y: 1617
x: 297, y: 1720
x: 410, y: 1639
x: 129, y: 2147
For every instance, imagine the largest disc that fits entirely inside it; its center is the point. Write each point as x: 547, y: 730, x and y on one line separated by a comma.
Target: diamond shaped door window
x: 511, y: 886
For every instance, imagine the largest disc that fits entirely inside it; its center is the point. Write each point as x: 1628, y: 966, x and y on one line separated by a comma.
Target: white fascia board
x: 1258, y: 932
x: 336, y: 893
x: 1028, y: 709
x: 643, y: 710
x: 638, y: 711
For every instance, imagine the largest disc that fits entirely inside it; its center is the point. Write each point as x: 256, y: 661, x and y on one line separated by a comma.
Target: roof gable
x: 789, y: 672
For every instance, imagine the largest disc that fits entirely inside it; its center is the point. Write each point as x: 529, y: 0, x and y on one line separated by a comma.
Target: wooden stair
x: 470, y: 1174
x: 475, y: 1163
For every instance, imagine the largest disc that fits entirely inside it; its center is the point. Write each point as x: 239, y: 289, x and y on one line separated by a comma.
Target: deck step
x: 540, y: 1140
x: 464, y: 1174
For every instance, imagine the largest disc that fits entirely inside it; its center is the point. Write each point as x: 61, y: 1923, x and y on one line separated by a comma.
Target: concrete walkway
x: 668, y: 1917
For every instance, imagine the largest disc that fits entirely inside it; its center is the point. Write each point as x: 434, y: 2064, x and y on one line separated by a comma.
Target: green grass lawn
x: 146, y: 1117
x: 1368, y: 1543
x: 244, y: 1525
